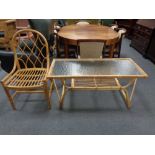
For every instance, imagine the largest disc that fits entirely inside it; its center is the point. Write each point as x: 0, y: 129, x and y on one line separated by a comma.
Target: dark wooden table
x: 72, y: 33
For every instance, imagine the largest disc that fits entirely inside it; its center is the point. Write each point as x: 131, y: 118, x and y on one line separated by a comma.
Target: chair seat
x: 27, y: 78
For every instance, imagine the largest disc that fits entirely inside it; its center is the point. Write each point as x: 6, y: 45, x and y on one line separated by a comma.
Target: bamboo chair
x: 30, y: 68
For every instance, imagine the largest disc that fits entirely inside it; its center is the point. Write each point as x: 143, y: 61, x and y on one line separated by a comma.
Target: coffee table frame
x: 98, y: 82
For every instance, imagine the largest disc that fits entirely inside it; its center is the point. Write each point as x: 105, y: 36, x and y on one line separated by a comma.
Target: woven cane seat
x: 27, y: 78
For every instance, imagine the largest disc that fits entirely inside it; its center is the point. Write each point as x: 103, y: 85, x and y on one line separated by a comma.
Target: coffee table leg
x: 125, y: 93
x: 62, y: 95
x: 126, y: 98
x: 51, y: 87
x: 56, y: 88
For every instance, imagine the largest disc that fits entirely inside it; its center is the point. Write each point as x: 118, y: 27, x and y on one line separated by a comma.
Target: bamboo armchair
x: 30, y: 68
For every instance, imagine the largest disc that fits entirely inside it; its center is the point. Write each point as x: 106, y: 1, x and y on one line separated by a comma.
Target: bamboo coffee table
x: 95, y: 74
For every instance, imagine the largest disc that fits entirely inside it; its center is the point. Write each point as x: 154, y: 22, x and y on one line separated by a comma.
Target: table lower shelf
x: 96, y: 84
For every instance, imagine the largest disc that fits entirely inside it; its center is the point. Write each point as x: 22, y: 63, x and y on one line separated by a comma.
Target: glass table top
x: 116, y: 67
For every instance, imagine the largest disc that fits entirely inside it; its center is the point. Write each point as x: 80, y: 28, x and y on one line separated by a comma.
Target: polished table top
x: 114, y: 67
x: 71, y: 34
x: 89, y: 31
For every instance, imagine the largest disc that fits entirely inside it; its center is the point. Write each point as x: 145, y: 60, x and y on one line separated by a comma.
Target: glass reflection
x: 105, y: 67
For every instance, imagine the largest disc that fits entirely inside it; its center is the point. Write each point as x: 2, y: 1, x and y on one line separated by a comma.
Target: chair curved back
x: 90, y: 49
x: 33, y: 47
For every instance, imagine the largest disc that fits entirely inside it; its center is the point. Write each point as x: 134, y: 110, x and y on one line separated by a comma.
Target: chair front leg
x: 47, y: 95
x: 9, y: 97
